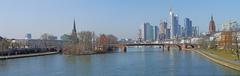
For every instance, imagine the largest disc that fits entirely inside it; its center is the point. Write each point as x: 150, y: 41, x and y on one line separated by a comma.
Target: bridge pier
x: 168, y: 48
x: 180, y: 48
x: 184, y: 46
x: 163, y: 47
x: 123, y: 49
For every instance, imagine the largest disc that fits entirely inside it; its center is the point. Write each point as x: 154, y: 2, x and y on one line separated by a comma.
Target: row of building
x: 168, y: 30
x: 46, y: 41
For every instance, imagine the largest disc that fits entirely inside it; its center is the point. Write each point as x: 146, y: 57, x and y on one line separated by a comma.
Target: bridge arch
x: 123, y: 47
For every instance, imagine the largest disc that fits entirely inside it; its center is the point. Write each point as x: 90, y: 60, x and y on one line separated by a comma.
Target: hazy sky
x: 119, y: 17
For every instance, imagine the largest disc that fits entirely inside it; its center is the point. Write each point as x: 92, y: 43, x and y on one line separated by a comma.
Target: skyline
x: 121, y: 18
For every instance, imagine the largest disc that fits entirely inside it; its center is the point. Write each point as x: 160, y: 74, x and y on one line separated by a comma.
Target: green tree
x: 65, y: 37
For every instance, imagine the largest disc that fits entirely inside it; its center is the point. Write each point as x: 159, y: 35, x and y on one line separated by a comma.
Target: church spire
x: 74, y: 33
x: 74, y: 26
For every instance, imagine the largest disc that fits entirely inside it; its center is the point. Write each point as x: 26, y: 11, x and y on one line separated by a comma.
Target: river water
x: 146, y: 61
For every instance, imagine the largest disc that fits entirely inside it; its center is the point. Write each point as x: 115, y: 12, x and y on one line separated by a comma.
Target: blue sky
x: 118, y: 17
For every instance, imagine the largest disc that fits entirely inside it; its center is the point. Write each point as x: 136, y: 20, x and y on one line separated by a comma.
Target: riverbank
x: 27, y: 55
x: 219, y: 60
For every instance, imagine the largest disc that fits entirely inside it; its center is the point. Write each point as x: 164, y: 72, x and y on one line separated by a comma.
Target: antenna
x: 170, y: 5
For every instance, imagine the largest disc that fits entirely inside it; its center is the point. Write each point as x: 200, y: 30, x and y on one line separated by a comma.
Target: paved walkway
x: 229, y: 63
x: 26, y: 55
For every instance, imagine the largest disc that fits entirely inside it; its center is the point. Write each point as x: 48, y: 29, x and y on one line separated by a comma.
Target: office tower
x: 168, y: 33
x: 28, y: 36
x: 148, y: 32
x: 188, y: 27
x: 174, y: 25
x: 156, y: 33
x: 163, y: 30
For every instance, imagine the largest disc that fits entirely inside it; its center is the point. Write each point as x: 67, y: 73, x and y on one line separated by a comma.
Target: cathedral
x: 211, y: 27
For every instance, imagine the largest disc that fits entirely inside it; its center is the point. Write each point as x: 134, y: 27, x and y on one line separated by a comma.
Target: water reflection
x: 146, y: 61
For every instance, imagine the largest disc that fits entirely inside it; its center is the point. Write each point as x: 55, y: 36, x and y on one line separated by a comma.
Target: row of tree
x: 4, y: 44
x: 88, y: 43
x: 228, y: 41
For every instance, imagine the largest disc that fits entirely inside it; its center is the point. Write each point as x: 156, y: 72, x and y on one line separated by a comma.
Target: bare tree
x: 112, y: 39
x: 104, y: 41
x: 235, y: 38
x: 47, y: 38
x: 4, y: 44
x: 86, y: 40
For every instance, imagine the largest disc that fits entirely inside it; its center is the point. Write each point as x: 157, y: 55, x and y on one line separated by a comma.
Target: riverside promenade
x: 222, y: 61
x: 27, y: 55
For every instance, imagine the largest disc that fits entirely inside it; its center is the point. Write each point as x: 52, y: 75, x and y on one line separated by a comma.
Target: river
x: 146, y: 61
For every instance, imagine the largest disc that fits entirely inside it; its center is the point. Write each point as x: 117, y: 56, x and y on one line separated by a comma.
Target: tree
x: 84, y: 45
x: 4, y: 44
x: 47, y: 36
x: 88, y: 43
x: 65, y: 37
x: 203, y: 42
x: 104, y: 41
x: 112, y: 39
x: 213, y: 43
x: 235, y: 38
x: 86, y: 39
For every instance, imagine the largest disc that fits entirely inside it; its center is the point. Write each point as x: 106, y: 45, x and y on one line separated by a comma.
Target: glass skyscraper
x: 156, y: 33
x: 174, y: 25
x: 148, y: 32
x: 188, y: 27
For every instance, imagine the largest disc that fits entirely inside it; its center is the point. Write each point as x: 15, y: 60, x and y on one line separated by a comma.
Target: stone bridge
x: 123, y: 47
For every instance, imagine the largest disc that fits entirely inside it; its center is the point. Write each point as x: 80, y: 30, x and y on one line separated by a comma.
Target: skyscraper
x: 182, y: 31
x: 163, y: 30
x: 194, y: 31
x: 212, y: 27
x: 174, y: 25
x: 148, y: 32
x: 140, y: 37
x: 188, y: 27
x: 156, y: 33
x: 168, y: 33
x: 163, y: 27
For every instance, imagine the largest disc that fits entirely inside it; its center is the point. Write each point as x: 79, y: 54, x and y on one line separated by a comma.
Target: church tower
x: 74, y: 33
x: 212, y: 27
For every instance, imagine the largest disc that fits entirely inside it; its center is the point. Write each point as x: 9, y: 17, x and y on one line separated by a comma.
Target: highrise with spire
x: 174, y: 24
x: 212, y: 27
